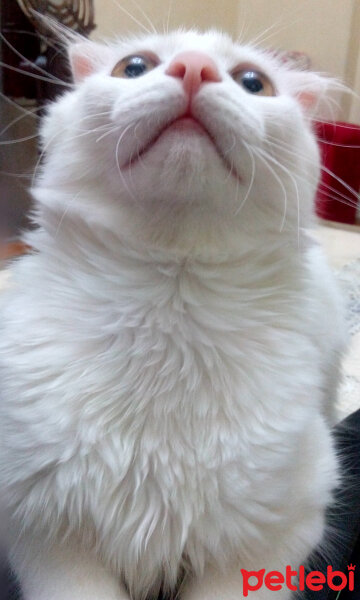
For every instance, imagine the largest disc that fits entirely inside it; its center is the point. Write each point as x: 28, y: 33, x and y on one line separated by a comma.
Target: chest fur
x: 156, y: 418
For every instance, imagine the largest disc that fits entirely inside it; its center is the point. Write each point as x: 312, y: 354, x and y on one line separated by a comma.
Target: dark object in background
x: 19, y: 33
x: 76, y: 15
x: 25, y: 34
x: 31, y: 61
x: 9, y: 587
x: 16, y: 87
x: 343, y: 517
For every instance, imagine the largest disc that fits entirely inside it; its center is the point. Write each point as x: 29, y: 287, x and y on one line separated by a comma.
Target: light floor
x: 342, y: 245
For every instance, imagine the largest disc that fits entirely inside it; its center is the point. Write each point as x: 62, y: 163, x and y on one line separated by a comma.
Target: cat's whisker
x: 92, y: 131
x: 293, y: 180
x: 19, y: 106
x: 131, y: 173
x: 130, y: 164
x: 341, y: 198
x: 19, y: 140
x: 102, y: 127
x: 108, y: 132
x: 257, y: 39
x: 86, y: 132
x: 252, y: 178
x: 131, y: 16
x: 338, y: 145
x: 44, y: 150
x: 16, y: 175
x: 336, y: 195
x: 93, y: 116
x: 281, y: 24
x: 169, y: 11
x: 339, y: 195
x: 236, y: 193
x: 35, y: 76
x: 70, y: 202
x: 343, y: 125
x: 226, y: 152
x: 17, y: 119
x: 231, y: 148
x: 333, y: 107
x: 117, y: 160
x: 136, y: 130
x: 41, y: 156
x: 146, y: 17
x: 297, y: 211
x: 231, y: 170
x: 34, y: 66
x: 323, y: 168
x: 60, y: 50
x: 138, y: 152
x: 242, y: 17
x: 265, y: 161
x: 35, y: 135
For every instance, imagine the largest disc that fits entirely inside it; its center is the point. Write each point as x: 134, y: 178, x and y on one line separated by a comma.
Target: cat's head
x: 183, y: 138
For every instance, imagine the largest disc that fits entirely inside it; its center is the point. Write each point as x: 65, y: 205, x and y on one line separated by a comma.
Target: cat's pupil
x: 252, y: 82
x: 136, y: 67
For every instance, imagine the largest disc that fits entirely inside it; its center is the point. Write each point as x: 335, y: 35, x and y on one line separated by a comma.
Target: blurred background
x: 321, y: 34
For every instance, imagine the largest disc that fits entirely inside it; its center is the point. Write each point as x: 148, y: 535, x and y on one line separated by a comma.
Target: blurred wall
x: 354, y: 111
x: 319, y: 27
x: 328, y: 30
x: 353, y: 66
x: 113, y: 16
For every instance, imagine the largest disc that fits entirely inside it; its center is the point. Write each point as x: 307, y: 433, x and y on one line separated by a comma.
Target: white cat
x: 169, y: 350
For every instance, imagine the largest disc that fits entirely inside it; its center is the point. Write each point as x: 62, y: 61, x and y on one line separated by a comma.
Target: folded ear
x: 317, y: 94
x: 86, y: 58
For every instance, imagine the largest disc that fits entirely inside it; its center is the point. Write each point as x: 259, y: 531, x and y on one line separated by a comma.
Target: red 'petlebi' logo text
x: 297, y: 580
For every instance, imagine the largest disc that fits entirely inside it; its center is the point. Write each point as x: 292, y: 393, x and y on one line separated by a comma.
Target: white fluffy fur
x: 169, y: 350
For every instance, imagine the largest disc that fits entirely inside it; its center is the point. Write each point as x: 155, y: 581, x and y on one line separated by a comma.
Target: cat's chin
x: 187, y: 125
x: 180, y: 143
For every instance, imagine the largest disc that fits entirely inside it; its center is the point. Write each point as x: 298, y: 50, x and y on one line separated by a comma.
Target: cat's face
x: 184, y: 132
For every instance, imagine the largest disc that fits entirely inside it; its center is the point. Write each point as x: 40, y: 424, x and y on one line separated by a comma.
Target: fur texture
x: 168, y: 350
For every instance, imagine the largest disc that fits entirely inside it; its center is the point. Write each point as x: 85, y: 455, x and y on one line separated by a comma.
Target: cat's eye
x: 134, y: 65
x: 254, y: 82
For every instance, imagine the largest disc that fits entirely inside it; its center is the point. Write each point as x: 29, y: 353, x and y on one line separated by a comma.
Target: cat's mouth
x: 185, y: 124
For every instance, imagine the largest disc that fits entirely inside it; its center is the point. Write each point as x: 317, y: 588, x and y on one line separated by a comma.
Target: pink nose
x: 194, y: 68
